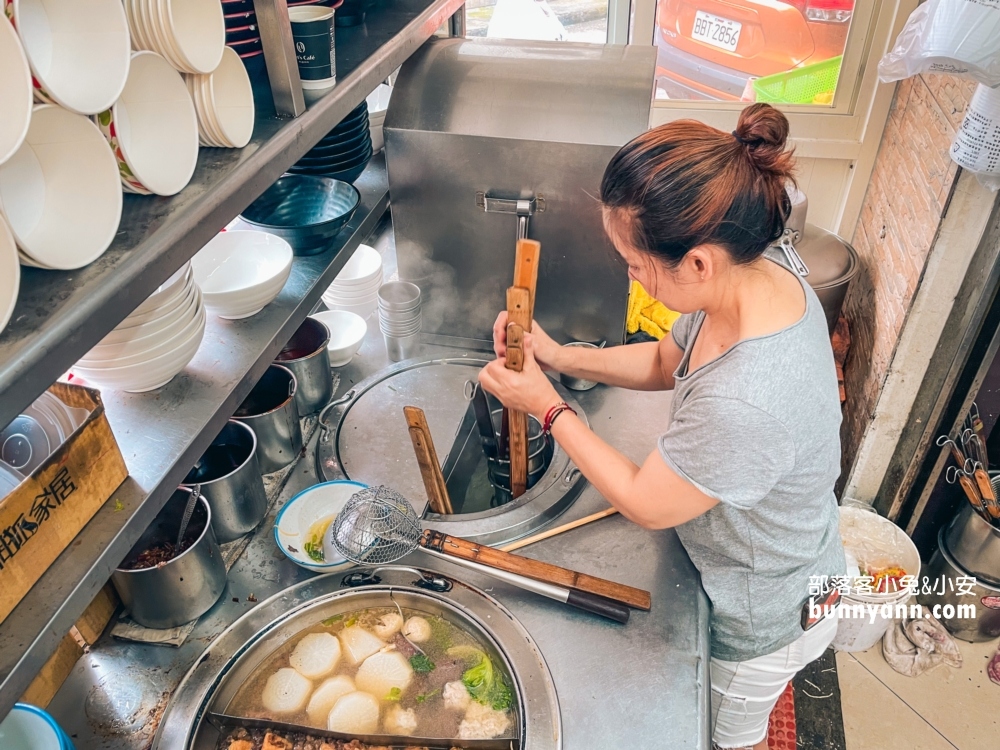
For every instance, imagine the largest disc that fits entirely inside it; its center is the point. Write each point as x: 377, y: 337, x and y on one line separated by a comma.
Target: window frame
x: 834, y: 132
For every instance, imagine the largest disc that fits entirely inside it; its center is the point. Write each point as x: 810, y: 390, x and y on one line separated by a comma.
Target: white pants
x: 744, y: 692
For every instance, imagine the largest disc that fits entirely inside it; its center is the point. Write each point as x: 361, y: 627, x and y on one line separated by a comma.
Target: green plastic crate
x: 800, y: 85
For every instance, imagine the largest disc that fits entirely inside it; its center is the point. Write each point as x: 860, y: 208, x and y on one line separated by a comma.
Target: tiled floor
x: 941, y: 710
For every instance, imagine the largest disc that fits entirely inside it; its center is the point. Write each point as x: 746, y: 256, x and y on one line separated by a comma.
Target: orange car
x: 708, y: 49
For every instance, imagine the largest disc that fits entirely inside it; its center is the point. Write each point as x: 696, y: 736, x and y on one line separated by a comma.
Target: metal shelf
x: 162, y: 434
x: 61, y: 315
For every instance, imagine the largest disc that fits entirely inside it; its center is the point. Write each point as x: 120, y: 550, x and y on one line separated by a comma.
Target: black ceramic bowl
x: 242, y: 34
x: 246, y: 47
x: 306, y: 210
x: 347, y: 173
x: 235, y: 20
x: 231, y: 7
x: 349, y: 123
x: 337, y: 158
x: 333, y: 145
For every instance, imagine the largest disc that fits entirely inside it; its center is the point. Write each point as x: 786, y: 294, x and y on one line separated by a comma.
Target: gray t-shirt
x: 759, y: 429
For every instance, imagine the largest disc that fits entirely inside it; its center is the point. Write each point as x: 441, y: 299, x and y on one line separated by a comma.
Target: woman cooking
x: 745, y: 468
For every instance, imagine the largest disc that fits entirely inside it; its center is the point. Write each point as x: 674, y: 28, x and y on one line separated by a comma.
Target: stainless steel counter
x: 642, y: 685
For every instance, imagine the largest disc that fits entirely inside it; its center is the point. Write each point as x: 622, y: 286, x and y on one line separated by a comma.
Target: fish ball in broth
x: 316, y: 655
x: 456, y: 696
x: 286, y: 691
x: 482, y: 723
x: 417, y: 629
x: 388, y: 625
x: 354, y: 713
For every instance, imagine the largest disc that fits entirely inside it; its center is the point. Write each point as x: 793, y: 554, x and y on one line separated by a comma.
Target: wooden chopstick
x: 558, y: 530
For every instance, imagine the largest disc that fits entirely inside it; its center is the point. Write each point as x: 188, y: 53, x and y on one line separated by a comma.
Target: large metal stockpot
x: 212, y: 684
x: 364, y: 437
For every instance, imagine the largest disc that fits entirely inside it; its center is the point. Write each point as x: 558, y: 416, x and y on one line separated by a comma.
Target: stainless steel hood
x: 481, y: 124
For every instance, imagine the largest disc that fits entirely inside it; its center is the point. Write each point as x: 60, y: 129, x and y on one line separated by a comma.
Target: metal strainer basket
x: 377, y: 526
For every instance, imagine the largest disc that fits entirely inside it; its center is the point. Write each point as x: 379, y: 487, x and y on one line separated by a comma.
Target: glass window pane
x: 555, y: 20
x: 751, y: 50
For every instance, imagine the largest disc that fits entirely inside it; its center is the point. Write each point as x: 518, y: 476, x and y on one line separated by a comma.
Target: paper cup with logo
x: 312, y: 32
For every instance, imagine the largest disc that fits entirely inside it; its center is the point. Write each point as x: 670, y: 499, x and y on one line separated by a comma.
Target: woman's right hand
x: 544, y: 346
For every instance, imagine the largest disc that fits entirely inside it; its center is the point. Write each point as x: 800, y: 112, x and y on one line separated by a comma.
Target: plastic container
x: 799, y: 85
x: 872, y: 540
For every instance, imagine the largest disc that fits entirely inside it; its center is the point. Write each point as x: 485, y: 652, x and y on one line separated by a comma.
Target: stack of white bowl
x: 147, y: 349
x: 378, y: 105
x: 356, y: 287
x: 223, y: 100
x: 190, y: 34
x: 239, y: 272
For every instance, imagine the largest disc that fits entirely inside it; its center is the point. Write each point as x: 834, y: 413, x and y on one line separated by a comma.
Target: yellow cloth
x: 647, y: 314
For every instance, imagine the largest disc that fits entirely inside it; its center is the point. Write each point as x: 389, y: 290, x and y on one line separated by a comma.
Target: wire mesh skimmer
x: 379, y: 526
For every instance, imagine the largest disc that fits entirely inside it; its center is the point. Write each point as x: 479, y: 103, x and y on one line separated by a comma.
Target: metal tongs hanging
x: 968, y: 450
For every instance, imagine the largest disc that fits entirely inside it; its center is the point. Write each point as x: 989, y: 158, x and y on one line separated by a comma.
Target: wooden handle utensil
x: 540, y: 571
x: 973, y: 495
x: 987, y: 493
x: 430, y: 467
x: 520, y: 309
x: 558, y: 530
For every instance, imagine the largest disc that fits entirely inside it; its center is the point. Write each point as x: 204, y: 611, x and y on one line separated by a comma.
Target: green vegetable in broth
x: 486, y: 685
x: 394, y: 695
x: 331, y: 621
x: 315, y: 551
x: 421, y: 663
x: 425, y: 696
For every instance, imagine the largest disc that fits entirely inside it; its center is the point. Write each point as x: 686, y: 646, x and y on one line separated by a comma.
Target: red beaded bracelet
x: 553, y: 413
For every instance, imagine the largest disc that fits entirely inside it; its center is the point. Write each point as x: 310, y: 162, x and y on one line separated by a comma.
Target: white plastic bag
x: 976, y: 147
x: 960, y: 37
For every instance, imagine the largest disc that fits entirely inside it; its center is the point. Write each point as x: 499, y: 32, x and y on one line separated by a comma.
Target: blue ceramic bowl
x: 305, y: 210
x: 313, y: 507
x: 28, y: 727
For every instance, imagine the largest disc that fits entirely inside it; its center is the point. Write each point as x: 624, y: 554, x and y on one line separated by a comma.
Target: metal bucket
x: 985, y: 626
x: 183, y: 588
x: 270, y: 411
x: 539, y: 456
x: 230, y: 480
x: 975, y: 544
x: 578, y: 384
x: 307, y: 357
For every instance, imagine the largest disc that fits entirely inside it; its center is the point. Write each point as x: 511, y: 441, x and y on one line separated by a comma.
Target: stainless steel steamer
x: 231, y: 658
x: 365, y: 439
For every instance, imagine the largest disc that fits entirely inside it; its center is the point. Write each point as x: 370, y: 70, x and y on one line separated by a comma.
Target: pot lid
x: 829, y: 258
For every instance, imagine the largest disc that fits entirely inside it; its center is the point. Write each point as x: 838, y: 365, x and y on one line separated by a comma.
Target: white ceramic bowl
x: 15, y: 91
x: 169, y: 291
x: 196, y: 31
x: 30, y: 728
x: 229, y: 97
x: 363, y: 310
x: 78, y: 51
x: 355, y: 297
x: 239, y: 272
x: 148, y: 375
x: 60, y: 191
x: 347, y: 332
x: 133, y: 333
x: 153, y: 128
x: 304, y: 511
x: 139, y: 350
x: 10, y: 274
x: 362, y: 268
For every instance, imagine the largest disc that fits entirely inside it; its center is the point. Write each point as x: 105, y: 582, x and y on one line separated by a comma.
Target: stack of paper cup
x: 399, y: 318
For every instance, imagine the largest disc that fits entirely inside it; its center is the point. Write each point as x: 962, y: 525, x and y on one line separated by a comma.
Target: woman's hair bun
x: 764, y: 131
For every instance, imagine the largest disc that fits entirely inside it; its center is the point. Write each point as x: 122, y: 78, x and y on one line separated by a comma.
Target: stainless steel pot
x: 183, y: 588
x: 578, y: 384
x: 307, y: 357
x: 270, y: 411
x: 975, y: 544
x: 985, y: 625
x: 230, y: 480
x: 214, y: 681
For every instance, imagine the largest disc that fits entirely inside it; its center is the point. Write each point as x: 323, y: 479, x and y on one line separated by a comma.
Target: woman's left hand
x: 529, y: 391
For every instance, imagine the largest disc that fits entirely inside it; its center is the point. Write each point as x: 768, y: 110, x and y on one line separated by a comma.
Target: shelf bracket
x: 279, y: 56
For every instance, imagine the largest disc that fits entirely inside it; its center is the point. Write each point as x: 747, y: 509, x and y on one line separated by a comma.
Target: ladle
x: 377, y: 525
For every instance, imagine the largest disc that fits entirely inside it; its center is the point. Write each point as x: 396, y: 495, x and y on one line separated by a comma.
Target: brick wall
x: 908, y: 193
